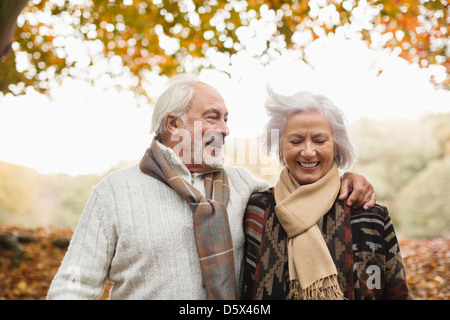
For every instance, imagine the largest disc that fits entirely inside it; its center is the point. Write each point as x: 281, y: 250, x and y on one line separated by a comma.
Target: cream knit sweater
x: 138, y: 232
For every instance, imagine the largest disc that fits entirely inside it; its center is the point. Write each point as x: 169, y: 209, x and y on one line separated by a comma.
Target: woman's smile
x: 309, y: 165
x: 307, y: 146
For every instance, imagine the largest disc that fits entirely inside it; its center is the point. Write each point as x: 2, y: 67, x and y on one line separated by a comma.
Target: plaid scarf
x: 210, y: 218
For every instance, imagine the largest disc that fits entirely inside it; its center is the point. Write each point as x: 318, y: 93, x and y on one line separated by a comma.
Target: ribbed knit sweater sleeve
x: 83, y: 272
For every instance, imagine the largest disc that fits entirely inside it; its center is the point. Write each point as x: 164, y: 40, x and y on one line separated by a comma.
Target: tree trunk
x: 9, y: 11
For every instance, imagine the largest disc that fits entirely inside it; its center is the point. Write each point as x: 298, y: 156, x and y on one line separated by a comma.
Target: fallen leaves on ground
x: 31, y: 279
x: 427, y: 265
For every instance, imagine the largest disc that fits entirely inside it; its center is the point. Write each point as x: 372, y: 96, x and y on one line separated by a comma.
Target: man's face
x: 206, y: 122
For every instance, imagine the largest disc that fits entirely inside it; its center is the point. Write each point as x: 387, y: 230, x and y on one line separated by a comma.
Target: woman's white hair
x: 175, y: 99
x: 281, y: 107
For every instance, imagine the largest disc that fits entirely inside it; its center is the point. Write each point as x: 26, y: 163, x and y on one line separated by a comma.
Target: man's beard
x: 205, y: 150
x: 212, y: 156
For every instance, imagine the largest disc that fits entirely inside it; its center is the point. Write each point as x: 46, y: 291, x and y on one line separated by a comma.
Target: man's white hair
x: 175, y: 99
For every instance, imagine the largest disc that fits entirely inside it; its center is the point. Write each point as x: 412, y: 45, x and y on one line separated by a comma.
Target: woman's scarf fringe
x: 317, y: 291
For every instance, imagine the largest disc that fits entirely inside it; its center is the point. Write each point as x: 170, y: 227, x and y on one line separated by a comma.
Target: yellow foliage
x: 17, y: 185
x: 134, y: 32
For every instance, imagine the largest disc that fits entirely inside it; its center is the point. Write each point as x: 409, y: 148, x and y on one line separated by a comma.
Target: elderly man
x: 170, y: 227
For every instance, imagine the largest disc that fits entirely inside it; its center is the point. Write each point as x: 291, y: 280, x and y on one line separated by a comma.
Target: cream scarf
x: 312, y: 272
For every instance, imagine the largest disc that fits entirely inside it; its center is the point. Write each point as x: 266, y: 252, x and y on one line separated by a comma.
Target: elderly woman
x: 302, y: 242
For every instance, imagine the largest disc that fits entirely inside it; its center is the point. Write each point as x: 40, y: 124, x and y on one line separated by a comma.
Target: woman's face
x: 307, y: 146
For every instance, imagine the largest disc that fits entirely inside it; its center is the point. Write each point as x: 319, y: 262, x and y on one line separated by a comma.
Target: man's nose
x: 223, y: 128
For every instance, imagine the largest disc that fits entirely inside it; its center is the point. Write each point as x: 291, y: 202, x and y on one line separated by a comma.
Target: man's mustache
x: 216, y: 142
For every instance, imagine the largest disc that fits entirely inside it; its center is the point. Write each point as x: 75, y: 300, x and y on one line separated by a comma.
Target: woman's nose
x: 308, y: 151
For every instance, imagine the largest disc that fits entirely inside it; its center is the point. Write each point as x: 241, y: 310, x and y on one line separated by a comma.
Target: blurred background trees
x: 145, y: 37
x: 408, y: 163
x: 411, y: 177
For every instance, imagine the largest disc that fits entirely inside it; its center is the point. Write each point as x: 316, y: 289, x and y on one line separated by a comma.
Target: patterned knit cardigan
x: 362, y: 243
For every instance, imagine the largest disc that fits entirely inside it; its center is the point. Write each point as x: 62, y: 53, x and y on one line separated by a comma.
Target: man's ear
x: 173, y: 123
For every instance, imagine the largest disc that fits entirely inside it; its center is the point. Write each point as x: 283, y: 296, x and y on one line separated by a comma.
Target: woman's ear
x: 281, y: 156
